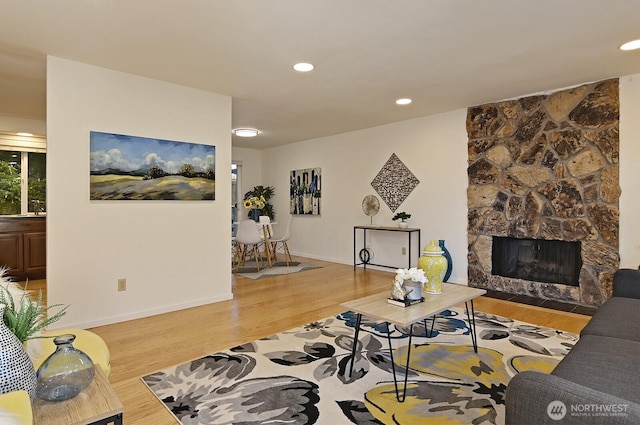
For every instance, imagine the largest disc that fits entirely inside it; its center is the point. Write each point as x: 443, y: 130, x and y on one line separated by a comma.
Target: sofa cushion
x: 626, y: 283
x: 604, y: 364
x: 616, y: 318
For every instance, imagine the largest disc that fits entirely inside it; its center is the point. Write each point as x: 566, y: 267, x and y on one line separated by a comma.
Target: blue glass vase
x: 65, y: 373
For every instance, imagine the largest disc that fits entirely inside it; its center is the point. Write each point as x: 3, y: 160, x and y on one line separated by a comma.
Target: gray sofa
x: 598, y: 382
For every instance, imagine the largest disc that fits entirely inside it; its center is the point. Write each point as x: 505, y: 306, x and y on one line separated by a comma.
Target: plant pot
x: 403, y: 224
x: 16, y: 368
x: 416, y: 289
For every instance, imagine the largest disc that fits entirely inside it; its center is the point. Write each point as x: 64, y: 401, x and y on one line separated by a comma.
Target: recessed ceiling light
x: 403, y: 101
x: 245, y: 132
x: 303, y: 67
x: 24, y: 134
x: 631, y: 45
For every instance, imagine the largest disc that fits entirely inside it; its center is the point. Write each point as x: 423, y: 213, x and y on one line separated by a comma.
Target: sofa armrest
x: 529, y: 394
x: 626, y: 283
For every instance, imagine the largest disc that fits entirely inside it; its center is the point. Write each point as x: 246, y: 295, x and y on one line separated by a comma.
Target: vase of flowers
x: 257, y: 202
x: 403, y: 217
x: 254, y: 205
x: 408, y: 284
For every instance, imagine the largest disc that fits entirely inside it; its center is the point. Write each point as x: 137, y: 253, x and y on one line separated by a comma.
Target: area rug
x: 301, y: 376
x: 250, y: 270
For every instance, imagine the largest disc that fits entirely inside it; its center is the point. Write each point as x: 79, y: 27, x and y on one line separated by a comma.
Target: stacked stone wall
x: 546, y: 167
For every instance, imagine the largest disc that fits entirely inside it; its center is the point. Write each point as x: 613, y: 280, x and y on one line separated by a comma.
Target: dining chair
x: 248, y: 241
x: 281, y: 243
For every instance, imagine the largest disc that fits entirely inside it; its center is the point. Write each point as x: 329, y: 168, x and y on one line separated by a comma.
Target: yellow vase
x: 434, y: 264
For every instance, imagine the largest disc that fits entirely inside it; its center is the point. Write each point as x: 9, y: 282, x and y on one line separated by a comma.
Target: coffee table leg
x: 355, y: 342
x: 406, y: 368
x: 472, y: 324
x: 433, y: 322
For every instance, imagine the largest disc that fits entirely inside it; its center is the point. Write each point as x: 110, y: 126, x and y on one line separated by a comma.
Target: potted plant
x: 259, y: 198
x: 403, y: 217
x: 21, y: 320
x: 25, y: 317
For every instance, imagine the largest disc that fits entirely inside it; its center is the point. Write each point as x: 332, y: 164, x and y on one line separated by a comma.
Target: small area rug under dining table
x: 280, y: 267
x: 301, y: 376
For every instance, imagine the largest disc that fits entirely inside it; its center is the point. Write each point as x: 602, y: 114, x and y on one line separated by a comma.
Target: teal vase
x: 447, y: 255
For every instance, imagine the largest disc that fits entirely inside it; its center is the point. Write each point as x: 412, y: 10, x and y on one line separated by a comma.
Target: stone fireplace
x: 545, y: 168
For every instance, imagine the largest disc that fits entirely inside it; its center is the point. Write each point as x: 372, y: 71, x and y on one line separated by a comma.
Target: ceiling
x: 444, y: 54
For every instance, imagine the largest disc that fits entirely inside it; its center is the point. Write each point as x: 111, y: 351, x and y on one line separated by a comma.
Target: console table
x: 96, y: 405
x: 364, y: 255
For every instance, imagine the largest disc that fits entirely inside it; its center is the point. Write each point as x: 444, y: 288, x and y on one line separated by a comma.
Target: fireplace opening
x: 537, y: 260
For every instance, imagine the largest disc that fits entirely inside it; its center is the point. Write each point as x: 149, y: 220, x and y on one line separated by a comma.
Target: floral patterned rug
x: 301, y: 376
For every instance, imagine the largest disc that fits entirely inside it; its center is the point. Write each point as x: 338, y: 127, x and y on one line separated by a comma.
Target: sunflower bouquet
x: 254, y: 203
x: 257, y: 202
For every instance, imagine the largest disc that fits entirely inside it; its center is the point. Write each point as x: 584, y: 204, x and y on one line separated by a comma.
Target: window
x: 23, y: 175
x: 235, y: 195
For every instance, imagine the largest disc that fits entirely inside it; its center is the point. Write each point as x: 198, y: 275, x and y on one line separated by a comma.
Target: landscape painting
x: 139, y: 168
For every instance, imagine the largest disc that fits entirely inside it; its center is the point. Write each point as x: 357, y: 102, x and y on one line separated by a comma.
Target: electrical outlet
x: 122, y: 284
x: 404, y: 250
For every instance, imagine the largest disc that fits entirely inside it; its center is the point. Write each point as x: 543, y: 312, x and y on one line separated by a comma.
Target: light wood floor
x: 260, y: 308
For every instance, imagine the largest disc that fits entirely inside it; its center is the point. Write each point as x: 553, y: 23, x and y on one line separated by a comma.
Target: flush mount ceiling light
x: 303, y: 67
x: 24, y: 134
x: 245, y: 132
x: 631, y: 45
x: 403, y: 101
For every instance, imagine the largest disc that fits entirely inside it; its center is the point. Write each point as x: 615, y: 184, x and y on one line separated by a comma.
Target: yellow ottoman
x: 15, y: 407
x: 94, y: 346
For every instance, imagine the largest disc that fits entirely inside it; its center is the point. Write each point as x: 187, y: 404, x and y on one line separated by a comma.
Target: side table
x: 96, y: 405
x: 364, y: 252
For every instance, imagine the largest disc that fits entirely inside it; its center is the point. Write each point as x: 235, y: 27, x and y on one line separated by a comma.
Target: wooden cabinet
x: 23, y: 247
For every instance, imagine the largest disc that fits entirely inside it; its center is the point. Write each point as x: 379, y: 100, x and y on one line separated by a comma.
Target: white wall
x: 630, y: 171
x: 434, y: 148
x: 173, y: 253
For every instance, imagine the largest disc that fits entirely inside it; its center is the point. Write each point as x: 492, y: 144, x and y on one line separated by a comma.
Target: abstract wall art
x: 394, y: 182
x: 304, y: 191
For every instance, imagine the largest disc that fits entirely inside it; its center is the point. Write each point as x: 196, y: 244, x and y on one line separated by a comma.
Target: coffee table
x: 377, y: 307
